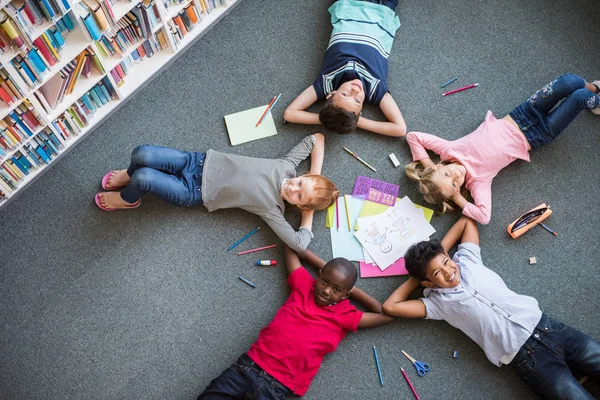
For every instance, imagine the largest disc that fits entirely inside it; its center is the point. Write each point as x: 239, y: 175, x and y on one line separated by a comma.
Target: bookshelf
x: 66, y: 65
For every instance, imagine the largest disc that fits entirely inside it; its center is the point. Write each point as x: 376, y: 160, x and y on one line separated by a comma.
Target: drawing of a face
x: 405, y: 233
x: 385, y: 246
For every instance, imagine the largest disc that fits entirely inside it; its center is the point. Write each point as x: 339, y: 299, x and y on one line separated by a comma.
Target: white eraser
x: 532, y: 260
x: 394, y: 160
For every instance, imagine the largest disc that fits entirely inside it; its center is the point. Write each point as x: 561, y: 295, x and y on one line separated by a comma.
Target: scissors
x: 421, y: 367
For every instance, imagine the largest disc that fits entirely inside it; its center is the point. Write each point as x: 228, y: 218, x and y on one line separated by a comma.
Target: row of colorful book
x: 34, y: 64
x: 19, y: 125
x: 97, y: 16
x: 63, y: 83
x: 78, y: 116
x: 19, y: 19
x: 46, y: 145
x: 184, y: 22
x: 37, y: 152
x: 151, y: 46
x: 9, y: 89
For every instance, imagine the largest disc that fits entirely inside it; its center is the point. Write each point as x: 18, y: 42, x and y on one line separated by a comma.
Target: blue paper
x: 343, y: 242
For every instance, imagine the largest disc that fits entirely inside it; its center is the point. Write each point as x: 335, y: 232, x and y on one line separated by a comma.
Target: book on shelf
x: 90, y: 23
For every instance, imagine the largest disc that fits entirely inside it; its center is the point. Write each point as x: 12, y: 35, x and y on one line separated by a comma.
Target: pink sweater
x: 484, y: 152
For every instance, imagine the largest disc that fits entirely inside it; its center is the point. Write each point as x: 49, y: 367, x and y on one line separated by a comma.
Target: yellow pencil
x: 347, y: 212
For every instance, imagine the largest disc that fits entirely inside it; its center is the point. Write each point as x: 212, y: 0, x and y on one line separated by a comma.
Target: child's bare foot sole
x: 112, y: 201
x: 115, y: 180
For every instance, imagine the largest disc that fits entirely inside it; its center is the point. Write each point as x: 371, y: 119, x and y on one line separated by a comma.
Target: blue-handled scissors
x: 422, y: 368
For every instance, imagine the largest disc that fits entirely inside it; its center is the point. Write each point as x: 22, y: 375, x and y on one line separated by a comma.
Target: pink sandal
x: 99, y: 204
x: 105, y: 182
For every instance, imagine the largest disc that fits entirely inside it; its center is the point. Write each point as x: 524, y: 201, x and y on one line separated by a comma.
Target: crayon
x: 246, y: 281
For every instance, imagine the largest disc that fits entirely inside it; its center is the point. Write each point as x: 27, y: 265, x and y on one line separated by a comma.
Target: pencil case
x: 528, y: 220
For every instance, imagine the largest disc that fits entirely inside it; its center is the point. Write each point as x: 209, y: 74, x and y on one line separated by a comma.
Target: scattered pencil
x: 409, y: 383
x: 266, y: 111
x: 347, y: 212
x: 257, y: 249
x: 244, y: 238
x: 460, y: 89
x: 449, y: 82
x: 359, y: 159
x: 273, y: 105
x: 378, y: 367
x: 546, y: 227
x: 246, y: 281
x: 337, y: 214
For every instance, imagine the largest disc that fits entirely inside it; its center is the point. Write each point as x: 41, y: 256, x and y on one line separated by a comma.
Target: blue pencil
x: 244, y: 238
x: 273, y: 105
x: 449, y: 82
x: 378, y: 367
x: 247, y: 282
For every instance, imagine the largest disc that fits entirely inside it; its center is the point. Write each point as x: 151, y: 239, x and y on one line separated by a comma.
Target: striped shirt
x: 254, y: 185
x: 359, y: 47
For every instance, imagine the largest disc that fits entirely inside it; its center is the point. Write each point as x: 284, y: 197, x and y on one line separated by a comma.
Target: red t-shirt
x: 291, y: 348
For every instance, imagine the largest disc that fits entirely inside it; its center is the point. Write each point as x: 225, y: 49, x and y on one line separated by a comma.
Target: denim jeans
x: 538, y: 118
x: 546, y: 359
x: 244, y: 380
x: 172, y: 175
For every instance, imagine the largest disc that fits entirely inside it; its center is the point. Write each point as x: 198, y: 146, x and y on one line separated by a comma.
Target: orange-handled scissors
x: 422, y: 368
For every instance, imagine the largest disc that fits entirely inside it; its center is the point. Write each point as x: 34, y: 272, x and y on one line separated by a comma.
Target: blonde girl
x: 473, y: 161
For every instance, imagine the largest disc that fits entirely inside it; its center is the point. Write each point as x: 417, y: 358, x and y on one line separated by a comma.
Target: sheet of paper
x: 375, y: 190
x: 387, y: 236
x: 343, y: 242
x: 242, y: 127
x: 368, y: 270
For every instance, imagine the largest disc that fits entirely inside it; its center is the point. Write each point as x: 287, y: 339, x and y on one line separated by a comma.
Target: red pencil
x: 265, y: 113
x: 409, y: 383
x: 461, y: 89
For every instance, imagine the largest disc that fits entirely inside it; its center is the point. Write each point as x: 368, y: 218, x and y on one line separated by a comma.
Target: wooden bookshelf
x: 126, y: 71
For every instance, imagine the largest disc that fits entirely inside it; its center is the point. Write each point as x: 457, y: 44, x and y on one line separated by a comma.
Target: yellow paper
x: 242, y: 127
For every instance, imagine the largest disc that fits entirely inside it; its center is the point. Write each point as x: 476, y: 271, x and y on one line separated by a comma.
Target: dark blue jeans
x: 244, y: 380
x: 546, y: 359
x: 538, y: 118
x: 172, y: 175
x: 388, y: 3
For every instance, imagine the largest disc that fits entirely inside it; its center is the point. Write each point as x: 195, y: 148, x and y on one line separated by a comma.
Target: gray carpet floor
x: 146, y: 304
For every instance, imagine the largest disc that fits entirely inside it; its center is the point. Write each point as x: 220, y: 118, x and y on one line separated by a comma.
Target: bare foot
x: 114, y: 200
x: 118, y: 179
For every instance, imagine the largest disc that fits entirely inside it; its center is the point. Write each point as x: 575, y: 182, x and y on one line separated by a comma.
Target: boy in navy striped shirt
x: 354, y: 71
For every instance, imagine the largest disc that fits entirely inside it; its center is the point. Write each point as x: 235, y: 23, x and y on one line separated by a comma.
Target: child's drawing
x: 378, y: 239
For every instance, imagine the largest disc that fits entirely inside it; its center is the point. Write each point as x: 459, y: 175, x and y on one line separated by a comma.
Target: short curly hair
x: 337, y: 119
x: 346, y: 268
x: 419, y: 255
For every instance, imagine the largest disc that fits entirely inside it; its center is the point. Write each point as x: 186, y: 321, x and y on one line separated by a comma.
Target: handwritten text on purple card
x: 374, y: 190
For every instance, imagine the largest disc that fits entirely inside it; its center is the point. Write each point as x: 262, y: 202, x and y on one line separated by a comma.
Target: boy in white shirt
x: 510, y: 328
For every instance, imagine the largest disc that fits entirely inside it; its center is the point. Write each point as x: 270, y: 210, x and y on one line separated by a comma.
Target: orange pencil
x: 266, y: 111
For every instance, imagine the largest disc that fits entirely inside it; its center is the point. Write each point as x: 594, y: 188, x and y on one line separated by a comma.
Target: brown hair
x: 325, y: 192
x: 337, y: 119
x: 429, y: 186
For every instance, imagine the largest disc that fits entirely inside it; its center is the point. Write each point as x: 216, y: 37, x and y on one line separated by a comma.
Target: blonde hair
x: 325, y: 192
x: 429, y: 185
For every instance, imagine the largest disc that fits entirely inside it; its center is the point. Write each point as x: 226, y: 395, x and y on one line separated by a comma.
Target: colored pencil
x: 359, y: 159
x: 273, y: 105
x: 460, y: 89
x: 244, y: 238
x: 449, y: 82
x: 546, y: 227
x: 257, y: 249
x: 266, y: 111
x: 246, y: 281
x: 337, y: 214
x: 347, y: 212
x: 378, y: 367
x: 409, y: 383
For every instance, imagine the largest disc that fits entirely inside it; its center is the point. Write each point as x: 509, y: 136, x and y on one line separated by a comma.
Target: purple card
x: 374, y: 190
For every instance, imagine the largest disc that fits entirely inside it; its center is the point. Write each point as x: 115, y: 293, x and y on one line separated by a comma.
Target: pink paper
x: 372, y: 271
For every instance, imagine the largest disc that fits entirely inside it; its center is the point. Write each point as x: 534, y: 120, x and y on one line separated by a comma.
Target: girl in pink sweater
x: 472, y: 162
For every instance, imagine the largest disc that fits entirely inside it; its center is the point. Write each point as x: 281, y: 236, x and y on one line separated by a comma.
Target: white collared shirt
x: 499, y: 320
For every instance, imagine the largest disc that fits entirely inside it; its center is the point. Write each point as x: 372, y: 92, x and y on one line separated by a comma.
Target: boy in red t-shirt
x: 312, y: 322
